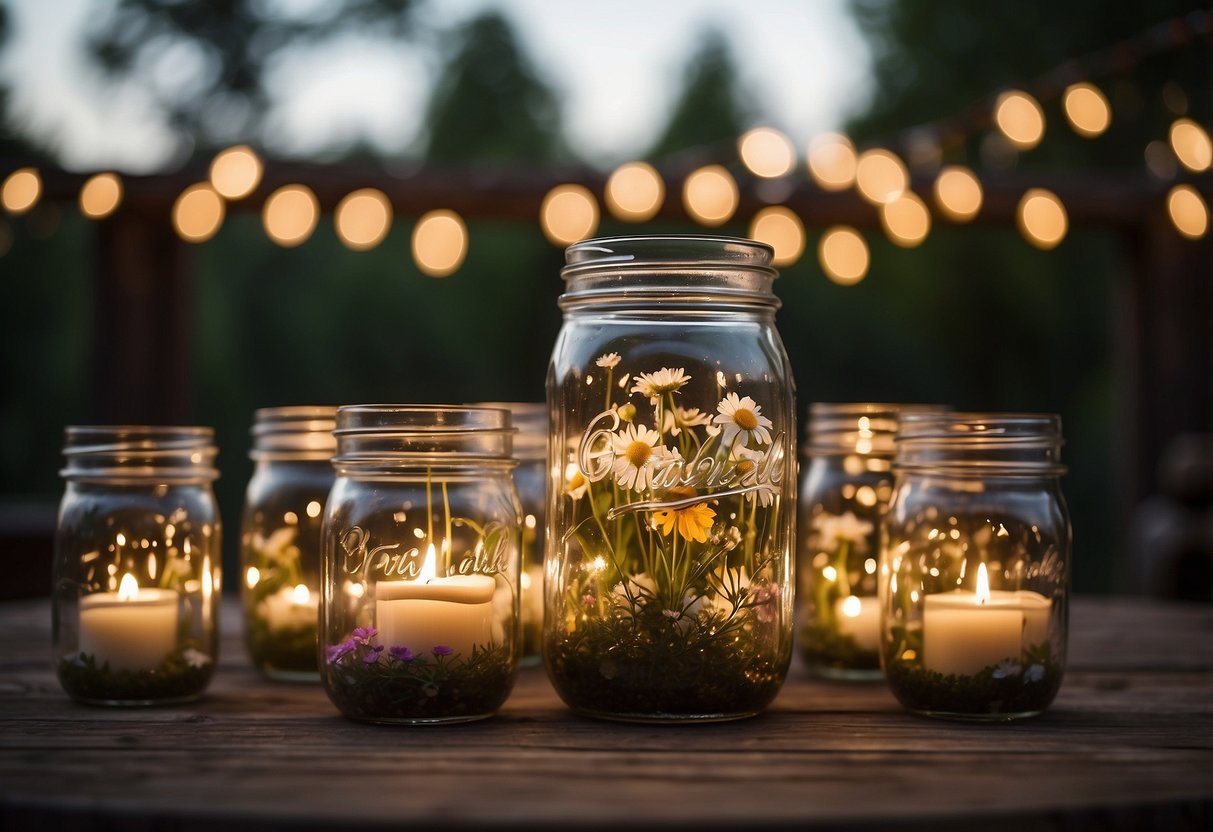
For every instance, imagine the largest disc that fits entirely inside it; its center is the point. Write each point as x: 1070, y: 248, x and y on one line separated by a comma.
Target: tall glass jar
x: 672, y: 498
x: 844, y: 491
x: 530, y: 420
x: 137, y: 565
x: 975, y: 575
x: 280, y: 538
x: 419, y: 599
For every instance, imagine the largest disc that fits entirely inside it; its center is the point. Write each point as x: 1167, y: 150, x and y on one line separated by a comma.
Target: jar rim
x: 645, y: 249
x: 1009, y: 442
x: 294, y: 433
x: 433, y: 433
x: 169, y: 453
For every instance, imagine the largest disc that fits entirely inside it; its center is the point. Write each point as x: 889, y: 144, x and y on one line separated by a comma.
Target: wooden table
x: 1127, y: 744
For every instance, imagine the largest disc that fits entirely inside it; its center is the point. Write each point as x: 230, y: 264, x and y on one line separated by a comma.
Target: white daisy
x: 609, y: 361
x: 665, y: 380
x: 833, y: 529
x: 637, y: 456
x: 742, y: 419
x: 748, y: 463
x: 678, y: 418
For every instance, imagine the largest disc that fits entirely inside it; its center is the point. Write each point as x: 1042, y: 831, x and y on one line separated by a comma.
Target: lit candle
x: 858, y: 616
x: 964, y: 632
x: 291, y: 608
x: 455, y: 611
x: 132, y: 629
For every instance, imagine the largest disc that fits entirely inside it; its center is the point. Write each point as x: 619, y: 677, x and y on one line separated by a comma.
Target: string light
x: 569, y: 213
x: 21, y: 190
x: 363, y: 218
x: 1042, y: 218
x: 1191, y: 145
x: 832, y: 161
x: 439, y: 243
x: 1086, y: 109
x: 1188, y: 211
x: 906, y: 220
x: 1020, y: 118
x: 880, y: 176
x: 236, y: 172
x: 781, y: 229
x: 290, y: 215
x: 958, y: 193
x: 710, y: 195
x: 635, y: 192
x: 766, y: 152
x: 101, y: 196
x: 198, y: 213
x: 843, y: 255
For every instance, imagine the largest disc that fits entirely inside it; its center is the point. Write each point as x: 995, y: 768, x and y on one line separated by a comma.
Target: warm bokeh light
x: 21, y: 190
x: 1086, y: 109
x: 906, y: 220
x: 1160, y: 160
x: 958, y: 193
x: 1191, y: 144
x: 440, y: 243
x: 569, y: 213
x: 101, y: 196
x: 766, y: 152
x: 290, y: 215
x: 235, y: 172
x: 198, y: 213
x: 363, y: 218
x: 635, y: 192
x: 843, y: 255
x: 1020, y: 119
x: 880, y: 176
x: 710, y: 195
x: 1188, y: 211
x: 782, y: 230
x: 832, y: 161
x: 1042, y: 218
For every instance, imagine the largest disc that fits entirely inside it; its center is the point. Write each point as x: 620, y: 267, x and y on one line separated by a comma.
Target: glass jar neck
x: 298, y: 434
x: 980, y: 444
x: 690, y: 272
x: 139, y: 454
x: 530, y: 420
x: 382, y: 437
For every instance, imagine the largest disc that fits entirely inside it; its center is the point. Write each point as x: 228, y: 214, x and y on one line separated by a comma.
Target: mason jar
x: 672, y: 496
x: 280, y: 538
x: 137, y: 565
x: 419, y: 613
x: 975, y: 579
x: 530, y: 420
x: 845, y: 486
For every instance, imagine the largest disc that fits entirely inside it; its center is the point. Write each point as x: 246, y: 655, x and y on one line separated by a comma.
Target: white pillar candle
x: 964, y: 632
x: 858, y: 616
x: 455, y: 611
x: 132, y: 629
x: 290, y: 608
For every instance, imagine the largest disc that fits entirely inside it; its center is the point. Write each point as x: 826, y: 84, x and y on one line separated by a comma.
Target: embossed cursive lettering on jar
x: 420, y: 593
x: 672, y: 496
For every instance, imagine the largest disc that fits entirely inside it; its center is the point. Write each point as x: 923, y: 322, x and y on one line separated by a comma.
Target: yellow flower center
x: 638, y: 453
x: 745, y: 466
x: 745, y: 418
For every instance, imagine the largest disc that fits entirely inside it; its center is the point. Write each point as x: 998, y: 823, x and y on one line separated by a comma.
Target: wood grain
x: 1128, y: 744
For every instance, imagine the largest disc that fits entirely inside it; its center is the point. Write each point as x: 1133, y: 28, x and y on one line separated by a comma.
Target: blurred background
x: 214, y: 207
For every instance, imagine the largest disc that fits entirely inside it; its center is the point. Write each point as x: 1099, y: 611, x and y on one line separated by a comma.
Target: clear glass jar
x: 280, y: 538
x: 844, y: 491
x: 530, y: 419
x: 672, y: 499
x: 419, y: 613
x: 137, y: 565
x: 975, y: 576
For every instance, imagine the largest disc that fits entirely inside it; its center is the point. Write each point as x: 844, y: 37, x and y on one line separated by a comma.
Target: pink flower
x: 402, y: 653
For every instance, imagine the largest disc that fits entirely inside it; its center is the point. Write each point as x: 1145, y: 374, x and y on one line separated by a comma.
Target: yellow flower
x: 693, y: 522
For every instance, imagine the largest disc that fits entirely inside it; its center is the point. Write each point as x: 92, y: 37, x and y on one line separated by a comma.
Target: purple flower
x: 363, y: 635
x: 335, y: 652
x: 372, y: 653
x: 402, y: 653
x: 442, y: 650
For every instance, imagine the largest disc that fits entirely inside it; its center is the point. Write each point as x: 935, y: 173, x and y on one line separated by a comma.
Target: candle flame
x: 983, y: 585
x: 301, y: 595
x: 851, y: 606
x: 429, y: 567
x: 128, y: 588
x: 252, y: 577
